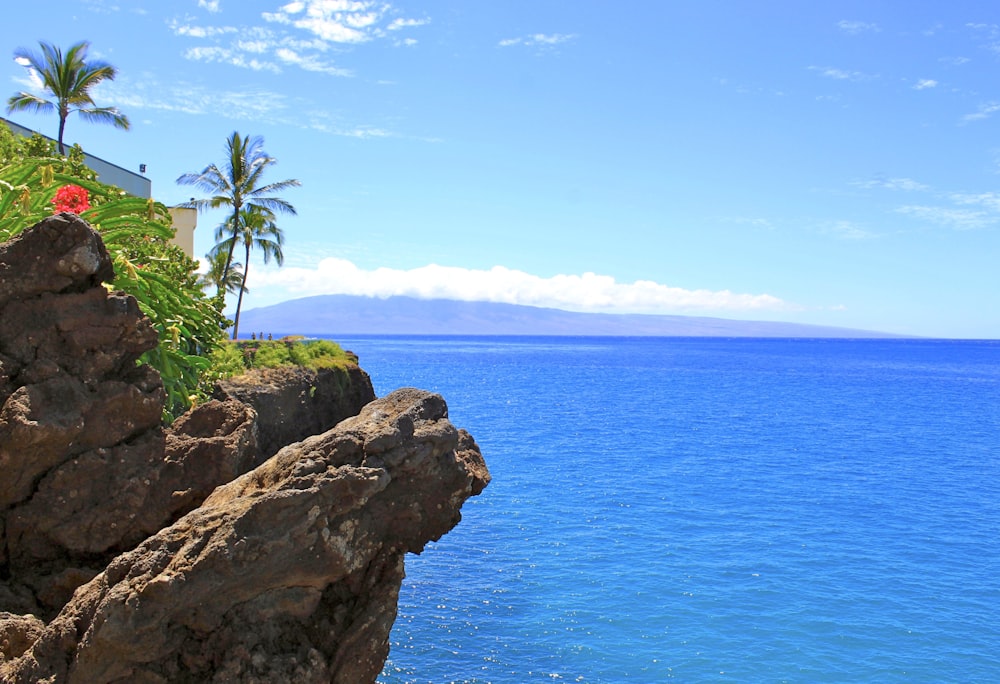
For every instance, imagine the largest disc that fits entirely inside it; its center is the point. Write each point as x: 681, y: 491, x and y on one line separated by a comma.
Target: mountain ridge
x: 399, y: 315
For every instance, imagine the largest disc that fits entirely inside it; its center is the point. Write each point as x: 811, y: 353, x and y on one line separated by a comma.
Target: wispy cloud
x: 907, y: 184
x: 583, y: 292
x: 397, y: 24
x: 310, y: 62
x: 539, y: 40
x: 985, y: 111
x: 841, y: 74
x: 925, y: 83
x: 847, y: 230
x: 102, y: 6
x: 856, y: 27
x: 296, y: 34
x: 258, y: 105
x: 233, y: 57
x: 949, y: 217
x: 990, y: 200
x: 342, y: 21
x: 750, y: 221
x: 200, y: 31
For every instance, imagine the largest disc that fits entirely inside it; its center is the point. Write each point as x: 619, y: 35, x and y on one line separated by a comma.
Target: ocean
x: 709, y: 510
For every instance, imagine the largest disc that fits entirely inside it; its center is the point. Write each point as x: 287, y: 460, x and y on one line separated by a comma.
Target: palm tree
x: 68, y: 78
x: 238, y: 185
x: 255, y: 228
x: 233, y: 282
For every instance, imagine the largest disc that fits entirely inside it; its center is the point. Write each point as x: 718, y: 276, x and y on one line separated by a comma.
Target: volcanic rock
x: 134, y: 553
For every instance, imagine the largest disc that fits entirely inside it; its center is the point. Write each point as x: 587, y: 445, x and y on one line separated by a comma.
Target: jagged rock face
x: 293, y: 403
x: 288, y: 571
x: 71, y: 395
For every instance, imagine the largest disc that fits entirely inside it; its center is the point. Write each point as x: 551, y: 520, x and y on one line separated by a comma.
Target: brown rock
x: 17, y: 634
x: 293, y: 403
x: 288, y: 573
x: 60, y: 254
x: 118, y: 531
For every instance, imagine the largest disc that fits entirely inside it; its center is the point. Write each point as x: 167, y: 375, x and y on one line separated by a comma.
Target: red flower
x: 71, y: 198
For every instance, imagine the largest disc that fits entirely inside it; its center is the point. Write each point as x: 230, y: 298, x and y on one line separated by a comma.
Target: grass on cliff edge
x: 235, y: 358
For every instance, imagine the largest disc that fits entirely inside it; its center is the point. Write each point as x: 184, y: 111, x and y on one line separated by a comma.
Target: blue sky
x: 830, y: 163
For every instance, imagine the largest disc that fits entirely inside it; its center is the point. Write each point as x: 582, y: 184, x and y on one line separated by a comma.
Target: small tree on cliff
x: 238, y: 184
x: 256, y: 230
x: 232, y: 283
x: 68, y: 77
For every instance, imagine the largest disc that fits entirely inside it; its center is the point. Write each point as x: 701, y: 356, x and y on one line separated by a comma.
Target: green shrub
x: 227, y: 360
x: 272, y: 355
x: 233, y: 358
x: 136, y: 232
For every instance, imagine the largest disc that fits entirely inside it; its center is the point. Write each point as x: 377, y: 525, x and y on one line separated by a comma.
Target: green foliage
x: 320, y: 354
x: 256, y: 229
x: 68, y: 77
x: 136, y: 232
x: 234, y: 358
x: 227, y: 360
x: 272, y: 355
x: 237, y: 185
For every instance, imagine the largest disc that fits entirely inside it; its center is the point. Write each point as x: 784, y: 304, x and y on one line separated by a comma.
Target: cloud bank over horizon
x: 586, y: 292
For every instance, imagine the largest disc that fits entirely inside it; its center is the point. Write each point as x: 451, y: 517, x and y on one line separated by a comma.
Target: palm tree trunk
x: 239, y: 300
x: 232, y: 247
x: 62, y: 128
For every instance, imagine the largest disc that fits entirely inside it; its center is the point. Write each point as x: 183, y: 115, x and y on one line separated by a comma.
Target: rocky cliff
x: 129, y: 552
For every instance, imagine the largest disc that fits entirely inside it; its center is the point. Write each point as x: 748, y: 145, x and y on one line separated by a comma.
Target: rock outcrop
x: 133, y: 553
x: 293, y: 403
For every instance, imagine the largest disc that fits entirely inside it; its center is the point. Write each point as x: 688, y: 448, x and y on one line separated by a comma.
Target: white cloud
x: 33, y: 82
x: 256, y: 104
x: 255, y: 46
x: 341, y: 21
x: 856, y: 27
x: 847, y: 230
x: 958, y: 219
x: 539, y: 40
x: 210, y: 5
x: 985, y: 111
x: 309, y: 62
x: 200, y: 31
x: 990, y: 200
x: 841, y: 74
x: 300, y: 30
x: 925, y: 83
x: 585, y: 292
x: 907, y: 184
x: 398, y: 24
x: 229, y: 56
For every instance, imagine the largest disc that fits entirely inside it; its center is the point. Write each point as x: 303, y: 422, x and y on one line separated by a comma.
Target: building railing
x: 108, y: 173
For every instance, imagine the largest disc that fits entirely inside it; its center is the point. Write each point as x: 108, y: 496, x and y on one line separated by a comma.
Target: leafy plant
x: 68, y: 77
x: 136, y: 232
x: 238, y: 185
x: 256, y: 229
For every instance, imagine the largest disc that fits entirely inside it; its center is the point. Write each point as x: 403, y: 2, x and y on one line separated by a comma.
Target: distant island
x: 331, y: 315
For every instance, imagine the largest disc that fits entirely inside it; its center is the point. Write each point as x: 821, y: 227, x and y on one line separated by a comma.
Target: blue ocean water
x: 709, y: 510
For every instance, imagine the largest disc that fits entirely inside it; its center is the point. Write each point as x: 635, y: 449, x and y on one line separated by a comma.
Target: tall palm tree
x: 238, y: 184
x: 255, y: 229
x: 68, y: 78
x: 232, y: 283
